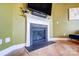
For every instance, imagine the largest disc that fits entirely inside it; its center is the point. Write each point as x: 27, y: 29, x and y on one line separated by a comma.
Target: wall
x: 51, y: 23
x: 12, y: 24
x: 6, y: 24
x: 60, y: 15
x: 18, y: 24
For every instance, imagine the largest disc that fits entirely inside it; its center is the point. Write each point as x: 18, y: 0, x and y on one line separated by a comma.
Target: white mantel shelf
x: 39, y: 18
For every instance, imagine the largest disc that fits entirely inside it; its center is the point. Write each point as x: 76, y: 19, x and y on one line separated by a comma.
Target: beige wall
x: 60, y: 14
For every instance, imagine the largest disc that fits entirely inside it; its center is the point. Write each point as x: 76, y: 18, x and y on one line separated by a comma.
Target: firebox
x: 38, y: 34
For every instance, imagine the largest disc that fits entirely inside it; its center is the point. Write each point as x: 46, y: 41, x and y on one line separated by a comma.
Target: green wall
x: 60, y: 14
x: 12, y: 24
x: 18, y: 25
x: 6, y: 24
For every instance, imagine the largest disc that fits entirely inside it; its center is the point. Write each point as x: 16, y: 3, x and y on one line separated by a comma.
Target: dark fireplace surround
x: 38, y: 37
x: 38, y: 34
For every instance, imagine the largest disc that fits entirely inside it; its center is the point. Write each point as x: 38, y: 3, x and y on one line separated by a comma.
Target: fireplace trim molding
x: 36, y: 20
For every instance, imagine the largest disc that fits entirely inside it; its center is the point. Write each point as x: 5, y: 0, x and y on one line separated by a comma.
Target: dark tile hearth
x: 35, y: 47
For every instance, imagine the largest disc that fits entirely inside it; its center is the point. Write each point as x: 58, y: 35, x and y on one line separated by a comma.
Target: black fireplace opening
x: 38, y: 36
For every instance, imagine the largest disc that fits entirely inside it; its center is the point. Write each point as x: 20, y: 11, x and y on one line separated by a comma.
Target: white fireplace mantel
x: 36, y: 20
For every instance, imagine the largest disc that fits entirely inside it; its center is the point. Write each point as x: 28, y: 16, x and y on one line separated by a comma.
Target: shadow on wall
x: 62, y: 36
x: 67, y: 35
x: 77, y: 32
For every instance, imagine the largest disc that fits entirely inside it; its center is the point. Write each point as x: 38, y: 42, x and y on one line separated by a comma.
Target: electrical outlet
x: 7, y: 39
x: 0, y: 41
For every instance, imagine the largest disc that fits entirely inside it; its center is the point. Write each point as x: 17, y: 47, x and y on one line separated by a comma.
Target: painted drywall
x: 12, y: 24
x: 18, y: 25
x: 62, y: 27
x: 51, y: 23
x: 5, y: 24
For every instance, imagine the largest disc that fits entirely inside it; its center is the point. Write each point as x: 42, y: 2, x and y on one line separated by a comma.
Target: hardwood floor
x: 19, y: 52
x: 60, y: 48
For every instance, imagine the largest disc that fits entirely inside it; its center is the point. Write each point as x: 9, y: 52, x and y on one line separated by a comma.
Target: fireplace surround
x: 41, y: 25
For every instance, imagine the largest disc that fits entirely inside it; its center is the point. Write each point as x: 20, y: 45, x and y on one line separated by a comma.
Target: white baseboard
x: 10, y: 49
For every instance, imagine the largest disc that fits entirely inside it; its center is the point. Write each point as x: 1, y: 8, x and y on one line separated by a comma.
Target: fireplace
x: 38, y: 31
